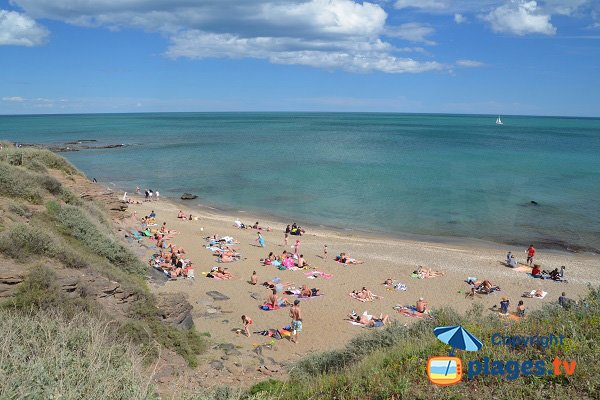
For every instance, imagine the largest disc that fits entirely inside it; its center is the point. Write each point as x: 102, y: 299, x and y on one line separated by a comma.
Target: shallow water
x: 441, y: 175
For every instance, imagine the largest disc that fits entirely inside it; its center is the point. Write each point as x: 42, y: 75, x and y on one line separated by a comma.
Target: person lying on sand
x: 428, y: 273
x: 538, y: 293
x: 389, y: 282
x: 221, y: 273
x: 257, y: 226
x: 164, y: 230
x: 229, y: 257
x: 344, y: 259
x: 369, y: 320
x: 306, y: 292
x: 484, y: 287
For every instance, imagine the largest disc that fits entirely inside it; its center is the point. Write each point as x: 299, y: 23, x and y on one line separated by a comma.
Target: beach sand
x: 325, y: 318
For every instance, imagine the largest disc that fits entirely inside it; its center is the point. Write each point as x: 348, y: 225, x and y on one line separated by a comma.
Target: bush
x: 32, y: 158
x: 22, y: 241
x: 20, y: 210
x: 187, y: 343
x: 19, y: 183
x: 76, y: 223
x: 47, y: 355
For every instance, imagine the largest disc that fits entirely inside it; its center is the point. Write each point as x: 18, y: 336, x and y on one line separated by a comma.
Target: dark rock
x: 10, y: 278
x: 217, y: 295
x: 176, y: 310
x: 188, y: 196
x: 535, y: 203
x: 218, y: 365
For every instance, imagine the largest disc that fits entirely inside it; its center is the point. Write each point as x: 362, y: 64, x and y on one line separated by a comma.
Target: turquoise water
x: 441, y: 175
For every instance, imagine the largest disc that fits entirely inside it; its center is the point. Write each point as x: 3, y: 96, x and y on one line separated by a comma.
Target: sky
x: 514, y: 57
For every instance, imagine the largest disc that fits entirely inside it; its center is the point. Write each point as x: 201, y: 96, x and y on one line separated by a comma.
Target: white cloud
x: 344, y: 34
x: 20, y: 30
x: 14, y: 99
x: 412, y: 31
x: 520, y: 18
x: 459, y: 18
x: 421, y: 4
x: 469, y: 63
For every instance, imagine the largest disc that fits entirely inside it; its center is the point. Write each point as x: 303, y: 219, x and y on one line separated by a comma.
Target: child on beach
x: 260, y: 240
x: 253, y: 278
x: 530, y: 254
x: 521, y: 309
x: 247, y: 322
x: 297, y: 247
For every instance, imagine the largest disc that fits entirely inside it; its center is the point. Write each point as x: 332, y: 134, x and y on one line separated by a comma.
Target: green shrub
x: 20, y: 210
x: 53, y: 207
x: 21, y: 241
x: 19, y: 183
x: 39, y: 290
x: 76, y: 223
x: 36, y: 166
x: 28, y: 157
x: 187, y: 343
x: 49, y: 356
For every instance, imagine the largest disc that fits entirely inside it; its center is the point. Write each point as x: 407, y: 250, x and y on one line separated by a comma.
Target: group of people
x: 170, y: 258
x: 505, y: 303
x: 149, y: 194
x: 285, y: 260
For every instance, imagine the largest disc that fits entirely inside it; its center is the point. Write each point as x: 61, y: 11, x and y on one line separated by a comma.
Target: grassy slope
x: 43, y: 223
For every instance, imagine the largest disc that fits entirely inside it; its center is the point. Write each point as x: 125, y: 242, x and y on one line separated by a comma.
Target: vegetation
x: 74, y: 233
x: 53, y: 356
x: 390, y: 364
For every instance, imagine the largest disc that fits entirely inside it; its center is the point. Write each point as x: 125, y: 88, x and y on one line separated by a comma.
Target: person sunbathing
x: 428, y: 273
x: 181, y: 215
x: 307, y: 292
x: 370, y: 321
x: 389, y: 282
x: 344, y: 259
x: 226, y: 258
x: 222, y: 273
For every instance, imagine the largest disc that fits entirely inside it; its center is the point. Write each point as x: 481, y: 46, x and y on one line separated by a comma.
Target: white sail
x: 498, y: 121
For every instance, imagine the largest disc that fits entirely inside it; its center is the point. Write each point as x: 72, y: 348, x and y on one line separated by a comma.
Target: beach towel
x: 269, y: 307
x: 315, y: 274
x: 523, y: 268
x: 410, y: 311
x: 533, y: 296
x: 357, y: 324
x: 308, y: 298
x: 546, y: 277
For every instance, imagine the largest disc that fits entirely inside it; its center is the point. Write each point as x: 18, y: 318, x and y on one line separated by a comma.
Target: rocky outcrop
x: 10, y: 277
x: 175, y: 310
x: 188, y: 196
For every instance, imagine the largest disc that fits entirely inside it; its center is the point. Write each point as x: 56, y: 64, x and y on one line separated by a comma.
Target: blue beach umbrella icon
x: 457, y: 337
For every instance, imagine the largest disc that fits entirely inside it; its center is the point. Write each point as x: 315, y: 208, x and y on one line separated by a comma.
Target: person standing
x: 325, y: 252
x: 150, y: 194
x: 296, y: 315
x: 530, y: 254
x: 137, y: 190
x: 504, y: 304
x: 247, y: 322
x: 146, y: 194
x: 157, y: 195
x: 260, y: 240
x: 297, y: 247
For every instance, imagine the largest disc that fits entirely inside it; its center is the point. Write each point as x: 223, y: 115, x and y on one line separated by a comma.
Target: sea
x: 530, y: 180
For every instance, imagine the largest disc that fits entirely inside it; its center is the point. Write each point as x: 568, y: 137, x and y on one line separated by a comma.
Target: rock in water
x: 188, y: 196
x: 535, y: 203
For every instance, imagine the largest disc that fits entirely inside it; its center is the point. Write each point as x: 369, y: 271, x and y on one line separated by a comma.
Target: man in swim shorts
x: 296, y: 316
x: 530, y: 254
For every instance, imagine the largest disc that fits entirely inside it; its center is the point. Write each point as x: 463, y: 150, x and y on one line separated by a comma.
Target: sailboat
x: 499, y: 121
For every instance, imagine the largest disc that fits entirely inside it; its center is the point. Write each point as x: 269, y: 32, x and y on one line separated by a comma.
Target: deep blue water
x: 442, y: 175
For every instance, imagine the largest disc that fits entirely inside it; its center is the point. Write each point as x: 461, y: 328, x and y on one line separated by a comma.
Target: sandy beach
x: 325, y: 317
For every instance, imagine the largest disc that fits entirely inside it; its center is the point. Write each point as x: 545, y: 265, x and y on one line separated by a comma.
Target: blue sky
x: 439, y: 56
